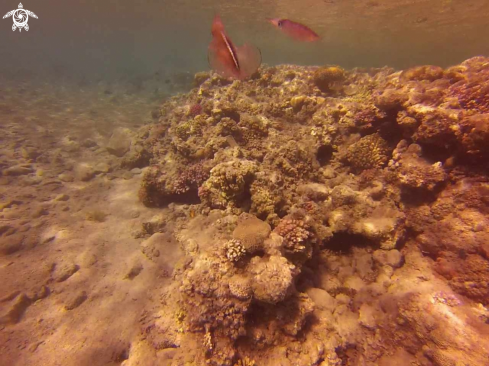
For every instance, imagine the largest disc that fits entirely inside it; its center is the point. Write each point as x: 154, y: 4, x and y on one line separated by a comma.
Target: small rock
x: 64, y: 271
x: 89, y: 143
x: 18, y: 170
x: 74, y: 301
x: 136, y: 171
x: 135, y: 269
x: 84, y: 172
x: 39, y: 293
x: 10, y: 296
x: 17, y: 309
x: 30, y: 181
x: 38, y: 212
x: 69, y: 145
x: 314, y: 191
x: 393, y: 258
x: 7, y: 230
x: 354, y: 283
x: 11, y: 244
x: 88, y: 259
x: 322, y: 299
x: 33, y: 347
x: 66, y: 177
x: 102, y: 168
x: 366, y: 317
x: 120, y: 142
x: 62, y: 197
x: 29, y: 153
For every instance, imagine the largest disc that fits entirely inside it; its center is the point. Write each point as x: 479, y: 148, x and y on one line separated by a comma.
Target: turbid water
x: 329, y: 209
x: 127, y: 38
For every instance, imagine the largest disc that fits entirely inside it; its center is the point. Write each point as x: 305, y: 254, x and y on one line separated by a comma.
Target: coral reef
x: 334, y: 207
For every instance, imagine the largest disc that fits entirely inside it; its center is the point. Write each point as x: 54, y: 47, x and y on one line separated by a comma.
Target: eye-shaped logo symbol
x: 20, y: 17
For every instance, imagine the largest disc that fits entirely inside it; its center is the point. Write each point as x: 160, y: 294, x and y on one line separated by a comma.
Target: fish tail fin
x: 219, y: 60
x: 249, y: 58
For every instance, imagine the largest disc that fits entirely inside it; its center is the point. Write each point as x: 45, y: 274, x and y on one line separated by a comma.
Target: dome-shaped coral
x: 251, y: 232
x: 369, y: 152
x: 326, y: 77
x: 272, y: 278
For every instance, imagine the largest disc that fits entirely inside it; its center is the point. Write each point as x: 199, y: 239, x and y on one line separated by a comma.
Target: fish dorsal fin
x: 231, y: 50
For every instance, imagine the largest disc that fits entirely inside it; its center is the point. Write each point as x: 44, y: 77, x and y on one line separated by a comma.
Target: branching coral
x: 234, y: 250
x: 298, y: 239
x: 228, y: 183
x: 191, y: 178
x: 293, y: 160
x: 295, y: 234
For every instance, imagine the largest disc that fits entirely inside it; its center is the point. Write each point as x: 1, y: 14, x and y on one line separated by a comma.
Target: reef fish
x: 227, y: 59
x: 295, y: 30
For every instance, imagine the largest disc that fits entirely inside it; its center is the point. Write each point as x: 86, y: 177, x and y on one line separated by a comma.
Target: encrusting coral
x: 328, y: 220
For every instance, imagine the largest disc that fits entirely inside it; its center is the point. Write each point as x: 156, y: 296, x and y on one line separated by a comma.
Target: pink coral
x: 195, y: 110
x: 294, y: 232
x: 473, y: 95
x: 473, y: 90
x: 191, y: 178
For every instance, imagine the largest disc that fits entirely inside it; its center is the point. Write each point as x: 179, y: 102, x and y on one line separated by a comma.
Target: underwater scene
x: 254, y: 183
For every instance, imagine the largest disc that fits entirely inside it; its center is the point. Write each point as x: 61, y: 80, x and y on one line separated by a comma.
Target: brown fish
x: 295, y: 30
x: 227, y: 59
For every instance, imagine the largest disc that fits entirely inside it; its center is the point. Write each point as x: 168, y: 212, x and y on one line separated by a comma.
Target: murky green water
x: 127, y: 37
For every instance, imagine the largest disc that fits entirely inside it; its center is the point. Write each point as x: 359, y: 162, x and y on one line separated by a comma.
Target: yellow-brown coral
x: 368, y: 153
x: 234, y: 250
x: 326, y: 77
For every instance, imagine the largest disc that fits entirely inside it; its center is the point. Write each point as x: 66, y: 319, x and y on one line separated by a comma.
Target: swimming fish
x: 295, y: 30
x: 227, y: 59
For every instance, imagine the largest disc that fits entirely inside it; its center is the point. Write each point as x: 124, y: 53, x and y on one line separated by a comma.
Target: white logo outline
x: 20, y: 17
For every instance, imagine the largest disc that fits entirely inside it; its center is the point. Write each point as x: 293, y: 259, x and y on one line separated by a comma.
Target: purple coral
x: 294, y: 232
x: 472, y: 96
x: 191, y: 178
x: 195, y: 110
x: 472, y: 90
